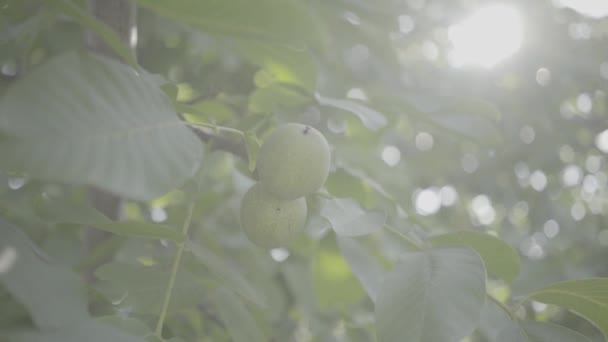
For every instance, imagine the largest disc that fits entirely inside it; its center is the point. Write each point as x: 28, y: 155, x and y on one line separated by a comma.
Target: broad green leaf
x: 370, y: 118
x: 493, y: 320
x: 59, y: 211
x: 231, y: 276
x: 86, y: 330
x: 348, y: 219
x: 298, y: 278
x: 43, y: 287
x: 364, y: 266
x: 109, y: 36
x: 283, y: 64
x: 435, y: 295
x: 241, y: 325
x: 209, y: 111
x: 478, y: 129
x: 95, y: 121
x: 499, y: 258
x: 433, y: 104
x: 334, y: 283
x: 142, y: 288
x: 130, y: 325
x: 587, y: 297
x: 473, y: 107
x: 538, y: 332
x: 141, y: 229
x: 283, y: 21
x: 276, y: 97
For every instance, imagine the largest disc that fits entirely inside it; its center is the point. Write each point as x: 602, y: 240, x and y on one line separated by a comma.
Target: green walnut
x: 269, y: 222
x: 293, y: 161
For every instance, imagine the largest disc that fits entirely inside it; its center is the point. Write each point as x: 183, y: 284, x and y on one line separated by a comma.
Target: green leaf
x: 284, y: 64
x: 587, y: 297
x: 493, y: 320
x: 241, y: 325
x: 370, y: 118
x: 538, y: 332
x: 478, y: 129
x: 348, y: 219
x: 142, y: 288
x: 130, y: 325
x: 109, y: 36
x: 276, y: 97
x: 284, y: 21
x: 209, y: 111
x: 364, y: 266
x: 334, y: 283
x: 435, y: 295
x: 231, y: 276
x: 95, y: 121
x: 88, y: 330
x: 59, y: 211
x: 499, y: 257
x: 42, y: 286
x: 141, y: 229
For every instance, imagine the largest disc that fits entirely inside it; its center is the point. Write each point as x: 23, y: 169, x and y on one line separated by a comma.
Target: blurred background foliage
x: 515, y: 148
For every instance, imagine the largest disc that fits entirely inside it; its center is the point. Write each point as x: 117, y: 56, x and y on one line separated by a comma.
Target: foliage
x: 513, y: 248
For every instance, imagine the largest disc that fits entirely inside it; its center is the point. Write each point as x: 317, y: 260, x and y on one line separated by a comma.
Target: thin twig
x: 174, y: 269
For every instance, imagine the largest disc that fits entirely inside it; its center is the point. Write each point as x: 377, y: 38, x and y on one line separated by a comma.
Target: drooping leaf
x: 208, y: 111
x: 284, y: 64
x: 276, y: 97
x: 499, y: 258
x: 60, y: 211
x: 283, y: 21
x: 241, y: 325
x: 348, y: 219
x: 43, y: 287
x: 130, y: 325
x: 538, y: 332
x: 370, y: 118
x: 142, y: 229
x: 232, y: 277
x: 435, y: 295
x: 105, y: 125
x: 142, y: 288
x: 85, y: 330
x: 366, y: 269
x: 478, y: 129
x: 587, y: 297
x: 52, y: 294
x: 334, y: 283
x: 493, y: 320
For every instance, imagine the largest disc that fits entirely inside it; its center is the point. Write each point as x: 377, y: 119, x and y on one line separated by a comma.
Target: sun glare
x: 591, y: 8
x: 487, y: 37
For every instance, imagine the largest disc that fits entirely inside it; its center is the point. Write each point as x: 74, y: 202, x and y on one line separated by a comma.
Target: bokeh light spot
x: 424, y: 141
x: 391, y: 155
x: 428, y: 202
x: 551, y: 228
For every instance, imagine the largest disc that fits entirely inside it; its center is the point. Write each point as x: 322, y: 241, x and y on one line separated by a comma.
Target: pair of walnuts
x: 293, y: 162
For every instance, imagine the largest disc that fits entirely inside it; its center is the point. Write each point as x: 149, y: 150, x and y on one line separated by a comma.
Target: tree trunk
x: 119, y: 15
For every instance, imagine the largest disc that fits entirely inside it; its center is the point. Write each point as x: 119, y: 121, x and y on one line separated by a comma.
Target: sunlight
x: 590, y: 8
x: 487, y: 37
